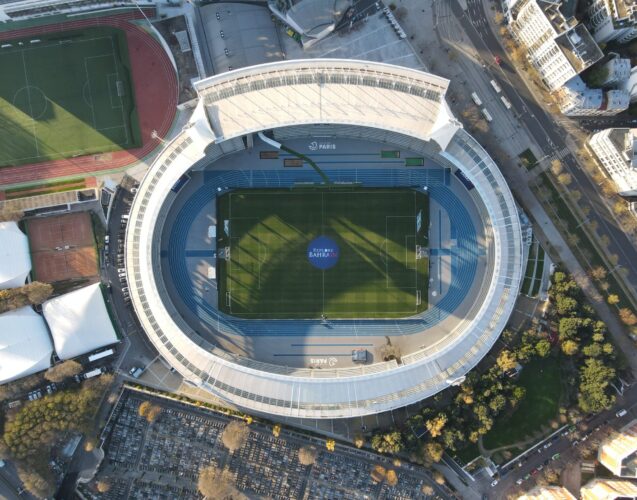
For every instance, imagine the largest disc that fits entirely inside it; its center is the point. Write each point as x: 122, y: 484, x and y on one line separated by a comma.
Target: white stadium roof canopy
x: 79, y: 322
x: 15, y: 259
x: 25, y: 345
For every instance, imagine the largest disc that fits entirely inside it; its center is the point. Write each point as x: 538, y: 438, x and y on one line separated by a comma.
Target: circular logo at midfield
x: 322, y: 252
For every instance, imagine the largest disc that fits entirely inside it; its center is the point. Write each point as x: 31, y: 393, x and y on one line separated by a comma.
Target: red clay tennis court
x: 62, y: 247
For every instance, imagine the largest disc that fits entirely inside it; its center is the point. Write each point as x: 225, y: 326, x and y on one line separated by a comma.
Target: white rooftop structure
x: 79, y: 322
x: 361, y: 99
x: 616, y: 149
x: 15, y: 258
x: 25, y: 345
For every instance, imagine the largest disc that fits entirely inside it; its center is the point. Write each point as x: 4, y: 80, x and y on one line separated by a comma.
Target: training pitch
x: 66, y: 94
x: 304, y: 253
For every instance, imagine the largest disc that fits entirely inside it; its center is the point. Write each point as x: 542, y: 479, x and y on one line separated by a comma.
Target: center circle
x: 323, y: 252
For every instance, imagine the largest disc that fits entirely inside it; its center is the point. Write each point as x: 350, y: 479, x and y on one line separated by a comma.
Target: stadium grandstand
x: 18, y: 10
x: 399, y: 110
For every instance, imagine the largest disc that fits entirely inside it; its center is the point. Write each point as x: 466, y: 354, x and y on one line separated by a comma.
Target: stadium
x: 323, y: 240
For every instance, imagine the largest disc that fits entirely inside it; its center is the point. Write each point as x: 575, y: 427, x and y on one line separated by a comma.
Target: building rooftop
x: 15, y: 258
x: 579, y: 47
x: 618, y: 453
x: 79, y: 322
x: 547, y: 493
x: 25, y: 345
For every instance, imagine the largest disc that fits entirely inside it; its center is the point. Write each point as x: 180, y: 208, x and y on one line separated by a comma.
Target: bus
x: 487, y: 115
x: 476, y: 99
x: 495, y: 86
x: 100, y: 355
x: 506, y: 102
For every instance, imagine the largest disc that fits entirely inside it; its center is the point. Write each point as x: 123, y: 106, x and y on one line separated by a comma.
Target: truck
x: 100, y: 355
x: 476, y: 99
x: 495, y: 86
x: 93, y: 373
x: 487, y: 115
x: 506, y: 102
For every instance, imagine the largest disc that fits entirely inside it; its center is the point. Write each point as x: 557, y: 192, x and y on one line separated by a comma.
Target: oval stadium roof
x: 408, y: 106
x: 79, y: 322
x: 25, y: 345
x: 15, y: 259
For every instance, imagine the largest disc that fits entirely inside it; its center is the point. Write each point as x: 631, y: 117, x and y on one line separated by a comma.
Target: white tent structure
x: 79, y: 322
x: 25, y: 345
x: 15, y: 259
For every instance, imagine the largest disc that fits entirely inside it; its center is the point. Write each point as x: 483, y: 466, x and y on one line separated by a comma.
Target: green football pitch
x: 265, y: 240
x: 66, y: 94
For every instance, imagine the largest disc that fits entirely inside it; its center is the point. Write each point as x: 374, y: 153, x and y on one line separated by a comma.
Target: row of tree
x: 27, y: 295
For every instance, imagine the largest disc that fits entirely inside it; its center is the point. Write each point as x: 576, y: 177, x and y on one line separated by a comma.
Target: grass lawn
x: 303, y: 253
x: 541, y: 379
x: 66, y: 94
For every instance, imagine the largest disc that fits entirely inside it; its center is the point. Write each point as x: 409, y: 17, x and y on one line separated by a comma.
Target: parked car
x: 621, y: 413
x: 494, y: 483
x: 519, y: 481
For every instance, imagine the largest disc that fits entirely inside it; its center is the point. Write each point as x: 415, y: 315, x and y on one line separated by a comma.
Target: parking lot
x: 162, y: 459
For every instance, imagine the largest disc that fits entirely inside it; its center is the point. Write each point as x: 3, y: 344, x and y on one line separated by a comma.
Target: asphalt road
x: 546, y: 133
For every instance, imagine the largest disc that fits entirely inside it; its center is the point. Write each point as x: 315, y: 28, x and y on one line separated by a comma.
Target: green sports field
x: 66, y: 94
x: 271, y: 237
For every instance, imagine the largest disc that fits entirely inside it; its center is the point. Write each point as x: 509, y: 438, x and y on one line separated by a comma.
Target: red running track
x: 156, y: 94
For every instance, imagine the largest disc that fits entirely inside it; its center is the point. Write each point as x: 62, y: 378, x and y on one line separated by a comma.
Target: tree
x: 438, y: 477
x: 235, y: 435
x: 217, y: 485
x: 592, y: 350
x: 391, y: 478
x: 276, y: 430
x: 564, y: 178
x: 543, y: 348
x: 359, y: 440
x: 378, y: 473
x: 569, y: 328
x: 39, y: 485
x: 594, y: 380
x: 613, y: 299
x: 627, y: 316
x: 103, y: 486
x: 565, y: 305
x: 506, y: 360
x: 556, y: 167
x: 498, y: 17
x: 89, y: 444
x: 153, y: 413
x: 427, y: 490
x: 330, y: 444
x: 392, y: 442
x: 62, y: 371
x: 144, y: 408
x: 569, y: 347
x: 308, y: 455
x: 432, y: 452
x: 436, y: 424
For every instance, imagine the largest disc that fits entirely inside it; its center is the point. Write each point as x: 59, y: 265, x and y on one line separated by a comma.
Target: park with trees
x: 549, y: 374
x: 31, y: 431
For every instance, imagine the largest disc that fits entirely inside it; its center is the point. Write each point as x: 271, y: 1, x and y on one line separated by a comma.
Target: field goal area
x: 382, y: 268
x: 66, y: 94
